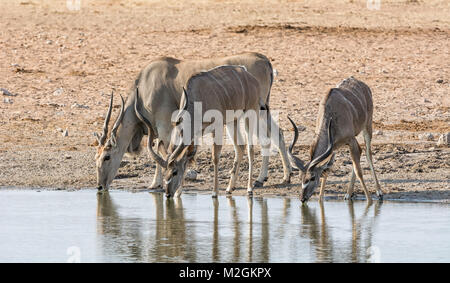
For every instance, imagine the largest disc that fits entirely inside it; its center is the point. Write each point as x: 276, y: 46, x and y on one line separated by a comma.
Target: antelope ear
x: 97, y: 136
x: 186, y: 153
x: 113, y: 141
x: 327, y: 162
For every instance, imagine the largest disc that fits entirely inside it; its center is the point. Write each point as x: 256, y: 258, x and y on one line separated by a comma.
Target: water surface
x: 61, y: 226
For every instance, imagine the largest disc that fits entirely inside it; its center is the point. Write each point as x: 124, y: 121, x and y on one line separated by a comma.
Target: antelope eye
x: 107, y: 157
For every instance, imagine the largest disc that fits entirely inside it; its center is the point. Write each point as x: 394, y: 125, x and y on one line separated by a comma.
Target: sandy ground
x: 61, y: 65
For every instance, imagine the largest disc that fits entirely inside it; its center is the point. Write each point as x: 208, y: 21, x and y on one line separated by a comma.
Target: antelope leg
x: 216, y: 156
x: 368, y: 139
x: 355, y: 151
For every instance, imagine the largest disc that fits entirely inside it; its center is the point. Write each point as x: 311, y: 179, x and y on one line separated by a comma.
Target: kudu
x: 160, y: 86
x: 221, y: 89
x: 343, y: 113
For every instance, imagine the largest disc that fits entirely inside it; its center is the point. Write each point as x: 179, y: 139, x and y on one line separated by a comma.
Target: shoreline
x: 335, y: 197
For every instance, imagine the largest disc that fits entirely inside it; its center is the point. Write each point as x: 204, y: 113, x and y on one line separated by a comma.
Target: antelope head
x: 176, y: 163
x: 176, y: 168
x: 313, y: 170
x: 180, y: 156
x: 108, y: 155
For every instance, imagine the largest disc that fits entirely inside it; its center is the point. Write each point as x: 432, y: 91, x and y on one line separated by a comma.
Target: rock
x: 440, y: 81
x: 378, y: 133
x: 65, y: 133
x: 6, y: 92
x: 191, y: 175
x: 426, y: 137
x: 444, y: 140
x: 7, y: 100
x: 76, y: 105
x: 58, y: 91
x: 301, y: 128
x: 426, y: 100
x: 59, y: 130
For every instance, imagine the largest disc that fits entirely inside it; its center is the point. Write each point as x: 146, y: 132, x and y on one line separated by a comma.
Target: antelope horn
x: 295, y: 161
x: 102, y: 139
x: 327, y: 152
x: 151, y: 134
x: 118, y: 120
x: 176, y: 152
x: 184, y: 106
x: 181, y: 146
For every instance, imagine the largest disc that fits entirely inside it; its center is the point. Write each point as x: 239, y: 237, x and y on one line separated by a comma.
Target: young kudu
x: 222, y: 89
x: 343, y: 113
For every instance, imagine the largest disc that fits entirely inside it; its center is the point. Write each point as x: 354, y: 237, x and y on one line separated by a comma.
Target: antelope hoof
x: 258, y: 184
x: 349, y: 197
x: 214, y: 196
x: 101, y: 190
x: 228, y: 192
x: 250, y: 193
x: 155, y: 187
x: 380, y: 195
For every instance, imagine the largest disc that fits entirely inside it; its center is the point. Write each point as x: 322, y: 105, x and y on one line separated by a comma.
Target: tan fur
x: 344, y: 112
x: 161, y: 84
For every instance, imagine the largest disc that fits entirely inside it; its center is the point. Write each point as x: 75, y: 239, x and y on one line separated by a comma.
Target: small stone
x: 6, y: 92
x: 59, y: 130
x: 426, y: 137
x: 65, y: 133
x: 58, y: 91
x: 76, y: 105
x: 440, y: 81
x: 191, y: 175
x: 7, y: 100
x: 444, y: 140
x: 426, y: 100
x: 301, y: 128
x: 378, y: 133
x: 49, y: 41
x: 68, y: 157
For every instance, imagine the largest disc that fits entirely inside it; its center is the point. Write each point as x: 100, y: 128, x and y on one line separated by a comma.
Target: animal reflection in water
x: 355, y: 249
x: 230, y: 234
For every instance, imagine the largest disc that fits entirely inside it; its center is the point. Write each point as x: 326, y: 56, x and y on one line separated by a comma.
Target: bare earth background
x: 62, y: 65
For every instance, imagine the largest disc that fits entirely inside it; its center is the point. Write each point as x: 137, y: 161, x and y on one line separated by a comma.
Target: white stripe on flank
x: 351, y: 104
x: 240, y: 82
x: 217, y: 81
